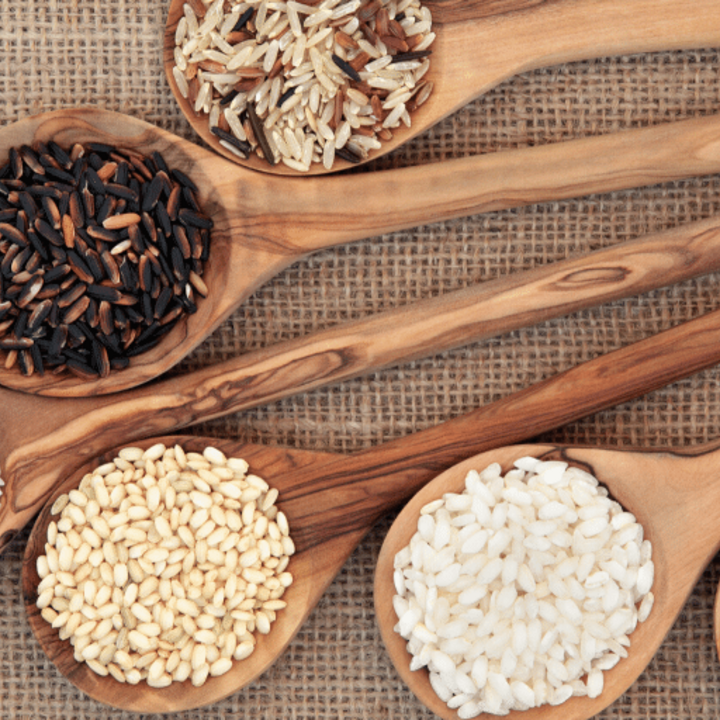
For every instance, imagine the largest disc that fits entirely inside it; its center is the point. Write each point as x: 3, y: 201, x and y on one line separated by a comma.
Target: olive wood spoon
x: 331, y: 501
x: 479, y: 44
x: 716, y: 620
x: 264, y: 223
x: 41, y: 438
x: 675, y: 495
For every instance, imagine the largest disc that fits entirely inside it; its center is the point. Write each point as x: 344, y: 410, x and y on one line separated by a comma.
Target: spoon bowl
x: 673, y: 495
x: 479, y: 44
x: 309, y: 581
x: 262, y: 223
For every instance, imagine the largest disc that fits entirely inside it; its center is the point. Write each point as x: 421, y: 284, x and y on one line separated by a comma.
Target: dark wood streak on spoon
x: 332, y: 500
x: 264, y: 223
x: 43, y: 438
x: 479, y: 44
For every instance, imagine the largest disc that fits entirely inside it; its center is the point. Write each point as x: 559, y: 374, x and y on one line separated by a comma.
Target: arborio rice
x: 300, y: 82
x: 522, y: 589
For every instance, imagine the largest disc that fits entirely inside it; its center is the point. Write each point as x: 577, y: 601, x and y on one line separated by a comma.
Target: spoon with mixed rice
x: 311, y: 88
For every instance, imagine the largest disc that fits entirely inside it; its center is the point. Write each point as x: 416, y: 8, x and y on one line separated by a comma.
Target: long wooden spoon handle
x: 439, y: 324
x: 358, y: 206
x: 519, y: 35
x: 31, y: 468
x: 373, y: 481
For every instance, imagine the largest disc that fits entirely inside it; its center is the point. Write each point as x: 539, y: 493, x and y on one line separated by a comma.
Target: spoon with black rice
x: 115, y: 265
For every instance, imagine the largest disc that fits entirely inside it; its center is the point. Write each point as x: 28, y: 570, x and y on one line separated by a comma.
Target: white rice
x: 523, y: 589
x: 212, y: 63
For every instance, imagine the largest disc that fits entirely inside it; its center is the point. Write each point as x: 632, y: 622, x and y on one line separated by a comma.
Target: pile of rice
x: 304, y: 83
x: 521, y: 590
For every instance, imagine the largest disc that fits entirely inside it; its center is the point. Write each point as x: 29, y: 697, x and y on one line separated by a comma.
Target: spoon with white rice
x: 574, y: 612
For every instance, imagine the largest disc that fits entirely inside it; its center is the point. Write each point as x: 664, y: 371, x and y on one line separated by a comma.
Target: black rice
x: 79, y: 297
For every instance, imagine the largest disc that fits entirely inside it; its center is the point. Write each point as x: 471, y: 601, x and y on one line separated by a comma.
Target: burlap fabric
x: 58, y: 54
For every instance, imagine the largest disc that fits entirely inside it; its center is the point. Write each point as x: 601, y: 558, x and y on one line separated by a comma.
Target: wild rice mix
x: 304, y: 82
x: 521, y: 590
x: 101, y: 251
x: 164, y: 565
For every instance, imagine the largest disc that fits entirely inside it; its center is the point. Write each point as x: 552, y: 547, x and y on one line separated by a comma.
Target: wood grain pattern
x: 480, y: 44
x: 448, y: 11
x: 265, y: 223
x: 43, y: 439
x: 332, y: 500
x: 675, y: 496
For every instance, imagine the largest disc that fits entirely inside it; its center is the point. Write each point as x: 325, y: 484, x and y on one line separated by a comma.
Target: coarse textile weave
x: 62, y: 53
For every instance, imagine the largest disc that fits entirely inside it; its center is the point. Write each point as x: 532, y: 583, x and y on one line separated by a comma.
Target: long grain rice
x: 289, y: 45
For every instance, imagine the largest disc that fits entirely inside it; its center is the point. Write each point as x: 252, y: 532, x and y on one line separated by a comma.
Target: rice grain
x: 160, y: 602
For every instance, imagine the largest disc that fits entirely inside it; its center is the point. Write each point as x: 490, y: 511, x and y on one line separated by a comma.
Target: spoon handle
x: 363, y: 486
x: 521, y: 35
x: 439, y: 324
x: 83, y: 429
x: 361, y: 205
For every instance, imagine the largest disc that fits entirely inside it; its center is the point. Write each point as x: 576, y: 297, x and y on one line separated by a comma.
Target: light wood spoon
x: 479, y: 44
x: 263, y: 223
x: 716, y: 620
x: 331, y: 501
x: 42, y: 439
x: 674, y: 495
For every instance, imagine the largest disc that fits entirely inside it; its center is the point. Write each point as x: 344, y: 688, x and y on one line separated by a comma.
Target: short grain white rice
x: 500, y: 609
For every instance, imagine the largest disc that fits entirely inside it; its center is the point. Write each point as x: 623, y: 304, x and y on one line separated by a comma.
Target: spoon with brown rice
x: 330, y: 501
x: 310, y: 88
x: 117, y: 269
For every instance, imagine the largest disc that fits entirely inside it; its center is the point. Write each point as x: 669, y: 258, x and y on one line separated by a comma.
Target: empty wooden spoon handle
x: 521, y: 35
x: 432, y: 326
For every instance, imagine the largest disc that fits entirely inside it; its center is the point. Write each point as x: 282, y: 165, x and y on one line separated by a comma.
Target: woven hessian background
x: 60, y: 53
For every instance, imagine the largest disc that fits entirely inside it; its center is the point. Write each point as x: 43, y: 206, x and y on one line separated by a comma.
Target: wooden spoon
x: 332, y: 500
x: 264, y: 223
x: 674, y: 495
x: 716, y: 619
x: 43, y: 439
x: 480, y: 43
